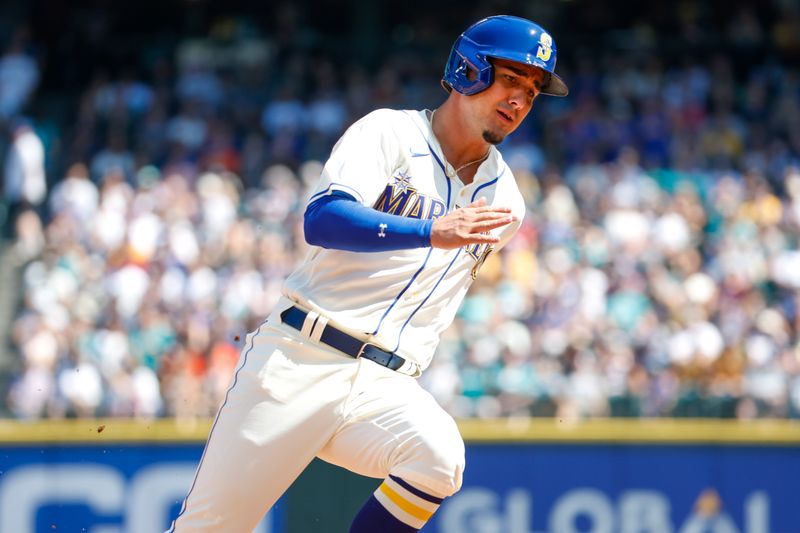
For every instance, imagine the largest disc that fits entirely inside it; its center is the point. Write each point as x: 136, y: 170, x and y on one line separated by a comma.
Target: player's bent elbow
x: 313, y: 229
x: 310, y: 233
x: 319, y: 219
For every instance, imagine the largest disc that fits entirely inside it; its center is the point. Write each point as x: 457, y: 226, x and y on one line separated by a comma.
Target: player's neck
x: 458, y: 147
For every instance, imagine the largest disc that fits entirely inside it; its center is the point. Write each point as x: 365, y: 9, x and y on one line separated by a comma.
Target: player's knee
x: 454, y: 473
x: 437, y: 465
x: 447, y: 467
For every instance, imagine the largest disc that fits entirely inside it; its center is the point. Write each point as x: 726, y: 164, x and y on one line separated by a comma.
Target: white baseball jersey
x: 400, y: 300
x: 293, y: 398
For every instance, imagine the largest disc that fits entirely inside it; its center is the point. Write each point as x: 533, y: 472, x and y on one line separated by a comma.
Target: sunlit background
x: 157, y: 156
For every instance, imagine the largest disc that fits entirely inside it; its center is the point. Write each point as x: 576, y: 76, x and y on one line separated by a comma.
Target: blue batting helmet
x: 502, y: 37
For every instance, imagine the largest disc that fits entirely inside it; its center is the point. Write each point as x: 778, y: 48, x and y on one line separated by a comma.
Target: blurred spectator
x: 25, y: 185
x: 19, y: 75
x: 114, y: 158
x: 76, y: 196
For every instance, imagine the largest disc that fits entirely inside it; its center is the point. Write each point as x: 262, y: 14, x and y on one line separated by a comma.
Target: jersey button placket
x: 462, y: 197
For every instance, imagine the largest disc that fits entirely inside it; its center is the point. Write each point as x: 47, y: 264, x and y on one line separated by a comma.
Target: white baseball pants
x: 291, y: 400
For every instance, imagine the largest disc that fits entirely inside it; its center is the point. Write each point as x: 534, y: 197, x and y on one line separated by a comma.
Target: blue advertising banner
x: 124, y: 488
x: 593, y: 478
x: 625, y: 489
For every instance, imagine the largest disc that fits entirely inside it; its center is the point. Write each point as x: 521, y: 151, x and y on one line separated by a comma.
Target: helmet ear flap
x: 468, y: 71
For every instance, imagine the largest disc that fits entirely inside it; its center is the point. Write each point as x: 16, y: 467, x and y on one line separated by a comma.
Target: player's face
x: 507, y: 101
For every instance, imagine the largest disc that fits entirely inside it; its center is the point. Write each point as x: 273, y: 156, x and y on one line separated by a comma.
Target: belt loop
x: 309, y: 323
x: 318, y: 328
x: 361, y: 350
x: 410, y: 369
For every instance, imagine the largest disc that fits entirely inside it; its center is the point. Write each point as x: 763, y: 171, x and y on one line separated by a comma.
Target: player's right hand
x: 469, y: 225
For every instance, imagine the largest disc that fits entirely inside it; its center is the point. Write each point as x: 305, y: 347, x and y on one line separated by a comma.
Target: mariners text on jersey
x: 400, y: 198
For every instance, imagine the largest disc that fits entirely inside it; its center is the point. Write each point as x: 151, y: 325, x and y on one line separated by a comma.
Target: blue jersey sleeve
x: 338, y: 221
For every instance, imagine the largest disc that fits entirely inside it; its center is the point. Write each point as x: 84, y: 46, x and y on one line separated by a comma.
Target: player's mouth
x: 506, y: 118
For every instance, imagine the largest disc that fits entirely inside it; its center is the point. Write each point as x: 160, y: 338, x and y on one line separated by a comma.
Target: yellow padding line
x: 672, y: 431
x: 104, y: 431
x: 770, y: 432
x: 417, y: 512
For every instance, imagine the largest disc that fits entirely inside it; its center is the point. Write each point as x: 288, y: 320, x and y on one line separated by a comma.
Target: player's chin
x: 493, y: 136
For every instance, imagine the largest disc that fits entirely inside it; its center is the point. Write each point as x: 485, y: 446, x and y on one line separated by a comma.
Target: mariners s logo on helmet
x: 545, y: 49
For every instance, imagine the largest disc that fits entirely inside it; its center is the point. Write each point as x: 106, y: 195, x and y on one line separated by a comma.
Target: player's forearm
x: 339, y: 222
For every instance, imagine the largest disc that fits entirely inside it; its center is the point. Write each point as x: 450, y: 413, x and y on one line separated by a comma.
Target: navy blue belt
x: 343, y: 342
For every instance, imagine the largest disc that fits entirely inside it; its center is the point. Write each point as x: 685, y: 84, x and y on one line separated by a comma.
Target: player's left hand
x: 469, y: 225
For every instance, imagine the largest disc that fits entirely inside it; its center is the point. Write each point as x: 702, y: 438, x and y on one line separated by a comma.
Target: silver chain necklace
x: 465, y: 165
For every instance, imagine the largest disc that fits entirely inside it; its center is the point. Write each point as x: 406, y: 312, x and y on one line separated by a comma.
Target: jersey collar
x: 487, y: 170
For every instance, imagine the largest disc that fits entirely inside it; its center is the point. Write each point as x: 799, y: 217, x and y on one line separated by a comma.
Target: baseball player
x: 409, y: 205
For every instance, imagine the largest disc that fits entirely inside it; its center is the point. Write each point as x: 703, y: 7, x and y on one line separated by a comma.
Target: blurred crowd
x: 656, y: 272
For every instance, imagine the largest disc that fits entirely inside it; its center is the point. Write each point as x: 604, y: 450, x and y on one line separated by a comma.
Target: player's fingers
x: 491, y: 209
x: 487, y: 225
x: 481, y: 238
x: 480, y: 202
x: 492, y: 215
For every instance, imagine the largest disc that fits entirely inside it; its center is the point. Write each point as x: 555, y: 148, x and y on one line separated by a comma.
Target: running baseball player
x: 409, y: 205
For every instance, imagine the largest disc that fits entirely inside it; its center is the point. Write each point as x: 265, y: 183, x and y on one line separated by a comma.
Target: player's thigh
x: 395, y: 426
x: 280, y: 410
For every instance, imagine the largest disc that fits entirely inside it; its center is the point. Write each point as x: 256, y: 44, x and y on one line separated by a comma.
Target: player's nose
x: 514, y: 104
x: 517, y: 98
